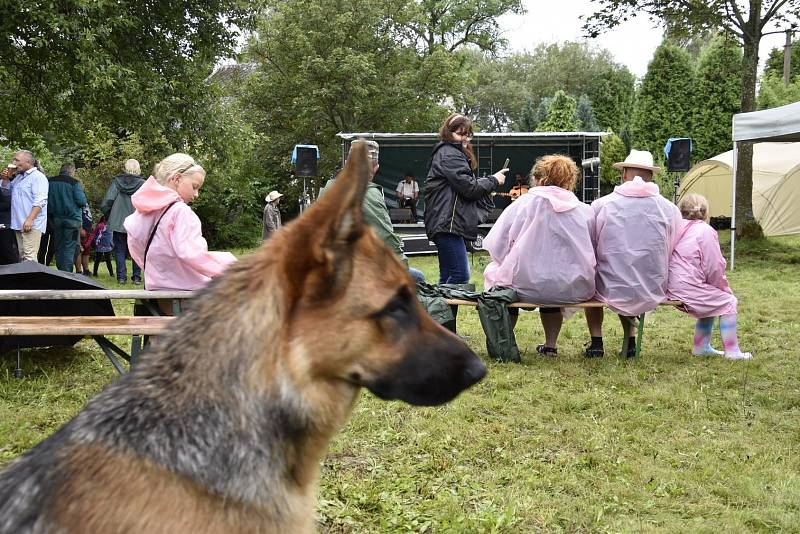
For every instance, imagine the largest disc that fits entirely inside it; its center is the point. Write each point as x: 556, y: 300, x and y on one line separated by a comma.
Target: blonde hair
x: 694, y: 207
x: 176, y: 164
x: 132, y: 167
x: 557, y: 170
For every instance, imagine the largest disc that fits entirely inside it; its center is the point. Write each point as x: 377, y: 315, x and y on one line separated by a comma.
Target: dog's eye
x: 398, y: 309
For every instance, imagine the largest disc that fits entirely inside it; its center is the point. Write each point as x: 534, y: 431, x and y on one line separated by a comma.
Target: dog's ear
x: 325, y: 234
x: 345, y: 198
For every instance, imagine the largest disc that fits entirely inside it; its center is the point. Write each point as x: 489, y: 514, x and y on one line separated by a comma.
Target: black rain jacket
x: 455, y: 201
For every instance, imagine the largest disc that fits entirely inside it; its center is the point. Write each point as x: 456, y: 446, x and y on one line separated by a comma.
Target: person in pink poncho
x: 178, y: 255
x: 635, y: 230
x: 541, y: 246
x: 697, y: 279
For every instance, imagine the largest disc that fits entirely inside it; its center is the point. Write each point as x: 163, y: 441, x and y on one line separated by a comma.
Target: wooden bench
x: 631, y: 321
x: 148, y: 319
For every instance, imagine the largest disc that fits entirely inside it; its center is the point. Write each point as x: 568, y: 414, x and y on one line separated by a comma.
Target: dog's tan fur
x: 223, y: 424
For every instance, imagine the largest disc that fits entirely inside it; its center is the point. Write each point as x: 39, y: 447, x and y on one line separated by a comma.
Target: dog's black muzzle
x: 431, y: 374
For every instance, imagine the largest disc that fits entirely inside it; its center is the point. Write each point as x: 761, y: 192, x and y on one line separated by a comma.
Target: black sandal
x: 546, y: 351
x: 593, y: 352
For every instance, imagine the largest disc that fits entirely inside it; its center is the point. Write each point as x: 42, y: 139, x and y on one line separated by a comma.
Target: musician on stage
x: 407, y: 193
x: 520, y: 187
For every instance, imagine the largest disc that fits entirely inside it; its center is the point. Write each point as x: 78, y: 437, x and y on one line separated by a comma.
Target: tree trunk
x: 746, y: 225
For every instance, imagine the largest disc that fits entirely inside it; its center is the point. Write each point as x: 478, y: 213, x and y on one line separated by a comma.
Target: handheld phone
x: 505, y: 165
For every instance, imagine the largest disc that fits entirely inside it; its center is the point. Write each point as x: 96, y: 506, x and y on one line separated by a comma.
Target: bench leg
x: 110, y: 349
x: 627, y: 323
x: 639, y: 335
x: 18, y: 370
x: 136, y: 349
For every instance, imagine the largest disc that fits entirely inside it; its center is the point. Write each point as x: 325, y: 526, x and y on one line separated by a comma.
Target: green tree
x: 133, y: 66
x: 774, y: 63
x: 432, y: 25
x: 494, y: 94
x: 573, y: 67
x: 612, y: 94
x: 323, y: 66
x: 612, y: 150
x: 747, y: 21
x: 585, y: 115
x: 533, y: 114
x: 506, y: 93
x: 774, y: 93
x: 716, y: 97
x: 663, y: 104
x: 561, y: 116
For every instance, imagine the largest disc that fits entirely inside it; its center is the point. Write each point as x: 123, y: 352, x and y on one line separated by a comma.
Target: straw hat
x: 641, y: 159
x: 273, y: 196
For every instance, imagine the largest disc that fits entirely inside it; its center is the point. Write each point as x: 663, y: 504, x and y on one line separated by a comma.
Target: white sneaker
x: 708, y: 351
x: 738, y: 355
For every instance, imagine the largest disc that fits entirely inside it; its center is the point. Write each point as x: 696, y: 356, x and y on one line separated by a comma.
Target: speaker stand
x: 677, y: 178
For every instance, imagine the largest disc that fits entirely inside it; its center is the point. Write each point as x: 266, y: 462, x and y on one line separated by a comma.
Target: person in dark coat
x: 66, y: 200
x: 116, y: 206
x: 456, y: 202
x: 272, y: 216
x: 8, y: 239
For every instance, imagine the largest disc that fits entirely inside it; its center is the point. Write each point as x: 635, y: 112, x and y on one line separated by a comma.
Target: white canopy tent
x: 776, y: 124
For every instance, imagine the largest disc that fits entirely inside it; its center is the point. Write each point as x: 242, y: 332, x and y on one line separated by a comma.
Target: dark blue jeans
x: 453, y: 262
x: 120, y: 254
x: 65, y: 235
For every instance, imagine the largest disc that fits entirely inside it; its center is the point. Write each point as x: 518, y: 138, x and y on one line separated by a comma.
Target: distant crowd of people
x: 42, y: 219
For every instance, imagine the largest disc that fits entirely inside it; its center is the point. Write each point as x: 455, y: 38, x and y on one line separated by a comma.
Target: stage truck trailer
x: 409, y: 152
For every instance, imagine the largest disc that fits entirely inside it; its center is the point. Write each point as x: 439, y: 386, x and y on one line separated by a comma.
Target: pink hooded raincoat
x: 635, y: 231
x: 697, y: 272
x: 178, y: 257
x: 541, y: 246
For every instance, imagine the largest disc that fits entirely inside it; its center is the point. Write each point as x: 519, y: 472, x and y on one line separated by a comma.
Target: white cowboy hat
x: 641, y: 159
x: 273, y: 196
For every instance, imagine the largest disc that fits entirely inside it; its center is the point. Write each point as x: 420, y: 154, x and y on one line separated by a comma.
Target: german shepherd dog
x: 222, y: 425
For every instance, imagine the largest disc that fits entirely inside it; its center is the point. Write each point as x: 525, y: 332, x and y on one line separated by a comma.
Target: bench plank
x: 91, y: 294
x: 83, y: 325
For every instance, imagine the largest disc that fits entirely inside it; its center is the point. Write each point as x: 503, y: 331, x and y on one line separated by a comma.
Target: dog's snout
x: 433, y: 372
x: 475, y: 371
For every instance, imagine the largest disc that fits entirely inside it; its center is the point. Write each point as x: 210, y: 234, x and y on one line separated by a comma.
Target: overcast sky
x: 632, y: 43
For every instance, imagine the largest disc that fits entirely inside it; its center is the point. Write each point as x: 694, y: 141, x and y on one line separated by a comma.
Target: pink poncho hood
x: 637, y: 188
x: 541, y: 246
x: 178, y: 257
x: 560, y: 200
x: 153, y: 196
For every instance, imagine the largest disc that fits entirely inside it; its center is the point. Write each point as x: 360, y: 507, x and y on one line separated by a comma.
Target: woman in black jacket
x: 456, y: 202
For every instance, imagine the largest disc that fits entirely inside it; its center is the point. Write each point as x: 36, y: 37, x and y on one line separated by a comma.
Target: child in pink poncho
x: 541, y: 246
x: 697, y: 279
x: 178, y: 256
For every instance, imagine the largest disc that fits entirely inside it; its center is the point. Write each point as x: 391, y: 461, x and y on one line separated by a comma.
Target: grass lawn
x: 669, y: 443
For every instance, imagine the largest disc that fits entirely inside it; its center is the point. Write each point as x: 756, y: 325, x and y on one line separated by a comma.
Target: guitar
x: 514, y: 194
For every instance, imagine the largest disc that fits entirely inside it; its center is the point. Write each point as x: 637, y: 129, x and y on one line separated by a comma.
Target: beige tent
x: 776, y: 186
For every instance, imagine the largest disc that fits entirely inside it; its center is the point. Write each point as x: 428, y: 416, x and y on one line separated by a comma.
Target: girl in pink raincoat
x: 697, y: 279
x: 164, y: 234
x: 541, y: 246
